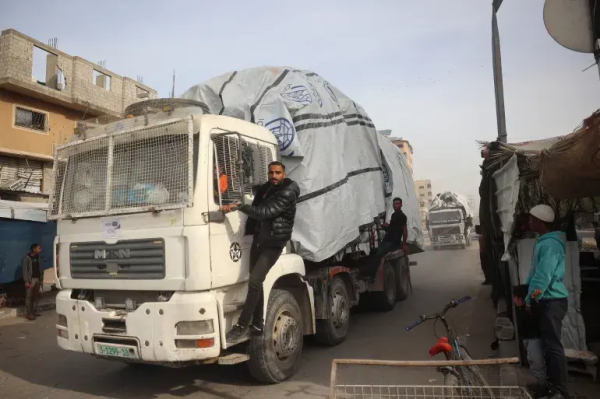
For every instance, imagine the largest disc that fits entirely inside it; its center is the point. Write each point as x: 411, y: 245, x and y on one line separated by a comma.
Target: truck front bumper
x: 448, y: 241
x: 147, y: 334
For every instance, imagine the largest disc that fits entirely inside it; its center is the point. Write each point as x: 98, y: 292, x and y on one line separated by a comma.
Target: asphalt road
x: 32, y: 366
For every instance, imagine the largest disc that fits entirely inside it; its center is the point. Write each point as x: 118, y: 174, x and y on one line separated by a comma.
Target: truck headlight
x: 195, y: 327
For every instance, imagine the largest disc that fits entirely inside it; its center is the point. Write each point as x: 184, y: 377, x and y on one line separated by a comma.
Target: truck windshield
x: 128, y: 172
x: 445, y: 217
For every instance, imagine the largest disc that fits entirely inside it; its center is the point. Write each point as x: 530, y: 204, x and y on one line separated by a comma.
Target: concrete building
x: 43, y: 93
x: 406, y: 148
x: 424, y: 195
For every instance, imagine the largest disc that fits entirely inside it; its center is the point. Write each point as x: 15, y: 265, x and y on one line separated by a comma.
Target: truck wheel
x: 403, y: 280
x: 333, y: 330
x: 386, y: 300
x: 275, y: 354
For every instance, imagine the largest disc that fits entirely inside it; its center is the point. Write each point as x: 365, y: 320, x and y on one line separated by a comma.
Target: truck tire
x: 403, y: 279
x: 386, y: 300
x: 274, y: 355
x: 332, y: 331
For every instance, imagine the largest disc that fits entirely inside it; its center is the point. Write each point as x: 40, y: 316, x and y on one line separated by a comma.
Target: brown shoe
x: 30, y: 317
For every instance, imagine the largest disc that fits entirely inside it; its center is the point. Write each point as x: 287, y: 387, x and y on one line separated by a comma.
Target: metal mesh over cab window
x: 228, y: 179
x: 139, y: 170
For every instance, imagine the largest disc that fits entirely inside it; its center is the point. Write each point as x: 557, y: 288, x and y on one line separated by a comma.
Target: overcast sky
x: 421, y: 68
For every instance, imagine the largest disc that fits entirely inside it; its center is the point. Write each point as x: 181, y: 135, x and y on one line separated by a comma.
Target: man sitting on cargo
x: 271, y: 221
x: 395, y: 238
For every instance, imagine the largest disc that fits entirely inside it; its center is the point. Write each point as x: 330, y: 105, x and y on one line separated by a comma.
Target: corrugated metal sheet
x: 16, y: 236
x: 20, y: 174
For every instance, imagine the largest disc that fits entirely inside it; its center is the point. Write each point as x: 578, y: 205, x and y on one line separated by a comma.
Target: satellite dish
x: 569, y: 22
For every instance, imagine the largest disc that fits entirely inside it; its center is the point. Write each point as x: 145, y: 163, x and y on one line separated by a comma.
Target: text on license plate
x: 116, y: 351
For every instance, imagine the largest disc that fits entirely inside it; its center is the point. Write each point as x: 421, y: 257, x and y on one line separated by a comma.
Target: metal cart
x: 387, y: 379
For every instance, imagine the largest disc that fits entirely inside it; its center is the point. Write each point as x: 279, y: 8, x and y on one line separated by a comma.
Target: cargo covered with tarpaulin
x: 329, y: 146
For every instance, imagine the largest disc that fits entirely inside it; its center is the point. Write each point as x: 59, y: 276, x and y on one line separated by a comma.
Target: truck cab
x: 448, y: 228
x: 150, y: 269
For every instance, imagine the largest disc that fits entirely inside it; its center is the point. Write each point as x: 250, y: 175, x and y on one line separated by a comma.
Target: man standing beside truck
x: 271, y: 221
x: 395, y: 238
x: 32, y: 277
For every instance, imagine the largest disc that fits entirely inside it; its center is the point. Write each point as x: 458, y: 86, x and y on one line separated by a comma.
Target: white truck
x: 151, y: 271
x: 449, y: 221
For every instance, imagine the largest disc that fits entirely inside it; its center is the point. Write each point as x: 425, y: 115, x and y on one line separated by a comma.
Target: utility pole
x: 173, y: 90
x: 498, y: 83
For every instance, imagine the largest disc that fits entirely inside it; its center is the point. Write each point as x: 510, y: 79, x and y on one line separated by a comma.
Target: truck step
x: 232, y: 307
x: 233, y: 358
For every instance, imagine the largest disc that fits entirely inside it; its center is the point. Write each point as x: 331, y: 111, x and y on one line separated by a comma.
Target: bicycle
x: 460, y: 378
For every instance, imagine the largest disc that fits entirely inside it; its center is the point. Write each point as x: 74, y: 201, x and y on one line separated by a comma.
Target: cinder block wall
x: 16, y: 64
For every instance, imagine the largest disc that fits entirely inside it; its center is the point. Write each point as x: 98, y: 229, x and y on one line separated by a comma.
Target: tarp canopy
x: 570, y: 169
x: 329, y: 146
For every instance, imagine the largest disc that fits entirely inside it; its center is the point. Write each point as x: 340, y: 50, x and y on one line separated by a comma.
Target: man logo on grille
x: 284, y: 132
x: 112, y: 254
x: 235, y: 252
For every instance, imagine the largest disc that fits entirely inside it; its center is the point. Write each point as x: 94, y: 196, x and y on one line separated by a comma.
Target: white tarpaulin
x: 507, y: 196
x: 328, y: 143
x: 451, y: 200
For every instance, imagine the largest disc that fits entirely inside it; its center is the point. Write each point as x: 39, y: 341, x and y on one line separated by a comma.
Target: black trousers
x: 485, y: 265
x: 262, y: 260
x: 551, y: 314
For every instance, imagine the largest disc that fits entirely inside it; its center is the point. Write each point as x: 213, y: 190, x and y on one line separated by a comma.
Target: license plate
x: 113, y: 350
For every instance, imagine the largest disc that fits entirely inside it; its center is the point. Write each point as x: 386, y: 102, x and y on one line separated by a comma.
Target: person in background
x: 271, y: 220
x: 32, y: 276
x: 395, y: 237
x: 547, y: 295
x: 483, y: 256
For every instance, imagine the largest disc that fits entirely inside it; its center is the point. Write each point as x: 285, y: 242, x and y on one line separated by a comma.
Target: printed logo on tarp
x: 330, y: 91
x: 284, y: 132
x: 298, y: 94
x: 316, y: 94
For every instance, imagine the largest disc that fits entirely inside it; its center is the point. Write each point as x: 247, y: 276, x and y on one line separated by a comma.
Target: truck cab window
x: 228, y: 178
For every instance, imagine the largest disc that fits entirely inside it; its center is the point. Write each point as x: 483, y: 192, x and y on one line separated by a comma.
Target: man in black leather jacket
x: 271, y: 221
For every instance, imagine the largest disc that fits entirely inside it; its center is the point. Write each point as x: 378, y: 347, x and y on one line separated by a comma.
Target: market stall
x: 560, y: 172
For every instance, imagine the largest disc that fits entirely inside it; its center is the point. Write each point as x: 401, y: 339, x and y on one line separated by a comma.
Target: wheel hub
x: 339, y: 310
x: 285, y: 336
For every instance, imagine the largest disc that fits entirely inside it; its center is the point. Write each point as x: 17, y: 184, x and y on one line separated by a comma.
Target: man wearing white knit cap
x: 547, y: 295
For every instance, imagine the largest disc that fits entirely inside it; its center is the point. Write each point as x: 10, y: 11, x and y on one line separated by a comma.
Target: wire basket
x: 381, y: 379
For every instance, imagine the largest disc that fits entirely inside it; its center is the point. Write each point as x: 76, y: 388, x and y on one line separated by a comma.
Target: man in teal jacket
x: 547, y: 294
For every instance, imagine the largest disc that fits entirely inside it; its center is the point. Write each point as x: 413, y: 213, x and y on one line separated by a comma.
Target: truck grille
x: 440, y: 231
x: 131, y: 259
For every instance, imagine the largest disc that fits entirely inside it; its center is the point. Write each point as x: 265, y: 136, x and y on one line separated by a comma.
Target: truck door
x: 230, y: 246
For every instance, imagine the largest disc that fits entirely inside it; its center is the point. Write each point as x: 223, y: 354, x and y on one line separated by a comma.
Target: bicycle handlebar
x: 450, y: 305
